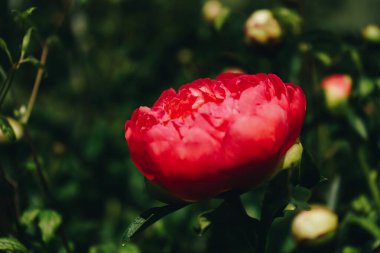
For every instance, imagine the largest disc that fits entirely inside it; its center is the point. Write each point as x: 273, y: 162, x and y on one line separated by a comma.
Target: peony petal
x: 253, y: 143
x: 189, y: 168
x: 296, y: 112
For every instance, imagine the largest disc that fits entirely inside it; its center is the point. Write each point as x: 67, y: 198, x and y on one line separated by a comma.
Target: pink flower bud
x: 337, y: 89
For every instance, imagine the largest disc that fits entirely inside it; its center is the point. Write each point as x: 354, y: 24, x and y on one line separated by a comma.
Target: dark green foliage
x: 70, y: 186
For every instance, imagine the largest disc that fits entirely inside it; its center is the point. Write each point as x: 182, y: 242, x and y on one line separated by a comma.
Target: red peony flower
x: 216, y: 135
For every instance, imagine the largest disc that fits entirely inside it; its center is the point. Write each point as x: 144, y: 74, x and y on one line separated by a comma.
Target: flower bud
x: 371, y: 33
x: 337, y: 89
x: 292, y: 157
x: 317, y: 223
x: 211, y: 10
x: 10, y: 130
x: 261, y: 27
x: 235, y: 70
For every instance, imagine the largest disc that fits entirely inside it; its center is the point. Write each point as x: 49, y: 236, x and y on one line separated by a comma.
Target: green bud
x: 371, y: 33
x: 10, y: 130
x: 292, y: 157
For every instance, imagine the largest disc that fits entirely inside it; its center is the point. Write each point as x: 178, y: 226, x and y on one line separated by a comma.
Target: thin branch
x: 45, y: 186
x: 37, y: 83
x: 39, y: 170
x: 16, y: 195
x: 7, y: 84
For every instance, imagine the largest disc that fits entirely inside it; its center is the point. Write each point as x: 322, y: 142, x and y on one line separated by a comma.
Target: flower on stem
x: 214, y: 136
x: 337, y: 89
x: 313, y: 224
x: 262, y: 27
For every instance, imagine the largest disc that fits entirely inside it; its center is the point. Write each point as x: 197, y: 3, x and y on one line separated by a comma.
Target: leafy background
x: 106, y: 58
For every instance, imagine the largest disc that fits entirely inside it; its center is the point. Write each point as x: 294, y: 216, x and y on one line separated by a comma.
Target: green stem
x: 45, y: 187
x: 39, y: 170
x: 370, y: 177
x: 6, y: 85
x: 334, y: 192
x: 234, y: 201
x: 14, y: 202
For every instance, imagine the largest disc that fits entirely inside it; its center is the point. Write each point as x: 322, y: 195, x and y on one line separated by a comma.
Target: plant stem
x: 40, y: 174
x: 15, y: 202
x: 45, y: 186
x: 7, y: 84
x: 36, y: 85
x: 370, y: 177
x: 234, y: 201
x: 332, y: 198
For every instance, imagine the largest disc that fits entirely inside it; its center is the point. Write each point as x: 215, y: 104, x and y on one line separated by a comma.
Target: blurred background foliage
x: 106, y: 58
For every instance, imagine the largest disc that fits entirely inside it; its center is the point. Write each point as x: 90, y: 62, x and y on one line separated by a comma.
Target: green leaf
x: 25, y: 42
x: 349, y: 249
x: 364, y: 223
x: 10, y: 244
x: 29, y: 216
x: 357, y: 124
x: 299, y: 197
x: 324, y: 58
x: 7, y: 129
x: 49, y: 221
x: 3, y: 74
x: 33, y: 61
x: 308, y: 174
x: 276, y: 198
x: 361, y: 204
x: 28, y: 12
x: 146, y: 219
x: 3, y: 45
x: 280, y: 237
x: 204, y: 222
x: 289, y: 19
x: 355, y: 56
x: 366, y: 87
x: 221, y: 19
x: 23, y: 18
